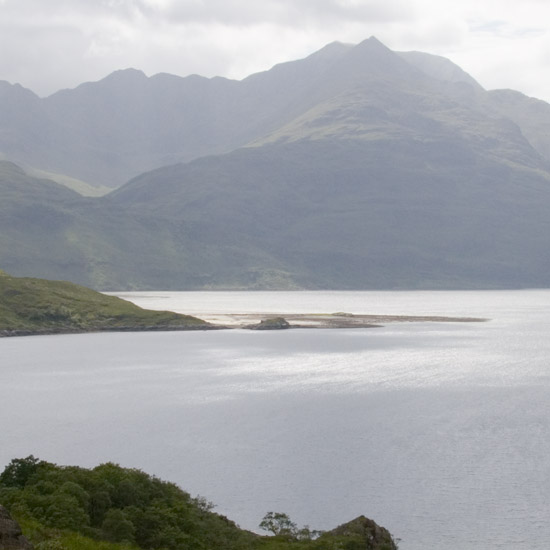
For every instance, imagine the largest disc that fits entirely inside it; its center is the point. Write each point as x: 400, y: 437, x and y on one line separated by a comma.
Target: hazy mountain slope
x: 440, y: 68
x: 363, y: 168
x: 360, y: 214
x: 106, y: 132
x: 24, y: 126
x: 530, y: 114
x: 51, y: 232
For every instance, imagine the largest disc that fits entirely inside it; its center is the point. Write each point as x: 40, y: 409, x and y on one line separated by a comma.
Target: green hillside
x: 41, y: 306
x: 51, y: 232
x: 114, y: 508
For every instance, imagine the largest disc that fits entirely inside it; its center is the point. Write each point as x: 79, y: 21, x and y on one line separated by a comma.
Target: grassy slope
x: 39, y: 305
x: 51, y: 232
x: 81, y: 187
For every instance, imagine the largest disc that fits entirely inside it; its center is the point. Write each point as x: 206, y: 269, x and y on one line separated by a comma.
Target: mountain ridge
x: 349, y: 169
x: 164, y: 119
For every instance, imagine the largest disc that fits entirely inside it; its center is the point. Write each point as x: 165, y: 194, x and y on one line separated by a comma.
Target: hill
x: 51, y: 232
x: 37, y: 306
x: 114, y: 508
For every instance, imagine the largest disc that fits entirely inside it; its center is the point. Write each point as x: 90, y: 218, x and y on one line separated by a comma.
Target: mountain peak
x: 373, y: 40
x: 332, y: 50
x: 126, y: 75
x: 371, y: 58
x: 15, y: 90
x: 373, y: 46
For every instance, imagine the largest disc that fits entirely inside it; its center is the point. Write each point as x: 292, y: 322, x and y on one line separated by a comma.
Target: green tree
x: 278, y: 523
x: 65, y: 512
x: 117, y: 527
x: 18, y: 471
x: 73, y: 489
x: 100, y: 502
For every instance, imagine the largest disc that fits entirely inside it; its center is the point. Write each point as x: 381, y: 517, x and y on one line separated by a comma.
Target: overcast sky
x: 46, y: 45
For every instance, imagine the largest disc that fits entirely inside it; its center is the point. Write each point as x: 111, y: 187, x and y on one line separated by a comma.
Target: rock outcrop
x: 272, y: 323
x: 368, y: 533
x: 11, y: 537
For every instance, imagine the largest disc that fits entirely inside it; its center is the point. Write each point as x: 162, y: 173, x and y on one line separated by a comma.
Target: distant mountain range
x: 355, y: 168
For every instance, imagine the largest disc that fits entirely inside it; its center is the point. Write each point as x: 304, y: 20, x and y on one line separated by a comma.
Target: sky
x: 47, y: 45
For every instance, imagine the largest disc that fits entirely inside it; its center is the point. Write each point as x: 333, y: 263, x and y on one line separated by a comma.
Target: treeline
x: 110, y: 507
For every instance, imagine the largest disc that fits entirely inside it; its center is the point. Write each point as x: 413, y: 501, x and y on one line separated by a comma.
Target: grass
x: 81, y: 187
x: 39, y: 305
x: 49, y: 538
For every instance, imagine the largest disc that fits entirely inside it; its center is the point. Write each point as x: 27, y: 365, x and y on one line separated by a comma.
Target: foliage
x: 278, y: 523
x: 114, y: 508
x: 18, y: 471
x: 112, y: 504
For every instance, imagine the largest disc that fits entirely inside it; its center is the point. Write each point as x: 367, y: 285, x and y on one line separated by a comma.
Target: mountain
x: 51, y: 232
x: 104, y: 133
x: 356, y: 214
x: 355, y: 168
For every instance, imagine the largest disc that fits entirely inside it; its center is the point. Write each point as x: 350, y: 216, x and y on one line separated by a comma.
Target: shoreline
x: 12, y: 333
x: 252, y: 321
x: 330, y: 320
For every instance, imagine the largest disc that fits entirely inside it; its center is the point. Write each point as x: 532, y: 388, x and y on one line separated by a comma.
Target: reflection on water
x: 440, y: 432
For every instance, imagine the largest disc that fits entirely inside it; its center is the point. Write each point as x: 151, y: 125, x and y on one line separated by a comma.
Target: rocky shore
x: 266, y: 321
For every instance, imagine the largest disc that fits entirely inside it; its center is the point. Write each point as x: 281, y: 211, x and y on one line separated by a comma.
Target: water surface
x: 439, y: 432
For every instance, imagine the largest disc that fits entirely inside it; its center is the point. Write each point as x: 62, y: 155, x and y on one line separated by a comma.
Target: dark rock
x: 369, y: 535
x: 11, y: 537
x: 273, y: 323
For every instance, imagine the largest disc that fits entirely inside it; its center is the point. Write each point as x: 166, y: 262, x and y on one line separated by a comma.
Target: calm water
x: 440, y: 432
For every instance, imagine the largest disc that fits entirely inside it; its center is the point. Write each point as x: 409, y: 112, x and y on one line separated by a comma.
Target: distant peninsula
x: 31, y: 306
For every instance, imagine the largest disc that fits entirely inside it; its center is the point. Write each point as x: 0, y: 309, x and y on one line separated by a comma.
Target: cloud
x: 281, y: 12
x: 50, y: 45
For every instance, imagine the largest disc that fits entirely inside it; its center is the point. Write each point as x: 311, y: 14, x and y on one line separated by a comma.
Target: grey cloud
x: 284, y: 12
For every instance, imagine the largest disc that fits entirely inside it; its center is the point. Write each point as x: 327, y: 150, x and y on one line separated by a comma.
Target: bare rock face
x: 272, y: 323
x: 367, y: 534
x: 11, y: 537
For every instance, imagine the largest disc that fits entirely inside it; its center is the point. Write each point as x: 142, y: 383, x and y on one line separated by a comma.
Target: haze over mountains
x: 357, y: 167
